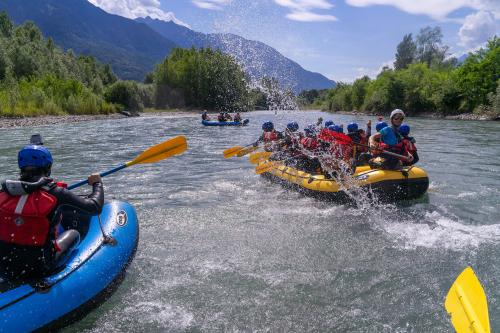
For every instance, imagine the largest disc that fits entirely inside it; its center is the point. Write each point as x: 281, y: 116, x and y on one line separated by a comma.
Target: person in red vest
x: 409, y: 143
x: 270, y: 137
x: 30, y: 217
x: 310, y: 147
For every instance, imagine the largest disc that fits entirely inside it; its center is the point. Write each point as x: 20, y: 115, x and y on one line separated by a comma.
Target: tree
x: 405, y: 52
x: 6, y: 25
x: 429, y: 47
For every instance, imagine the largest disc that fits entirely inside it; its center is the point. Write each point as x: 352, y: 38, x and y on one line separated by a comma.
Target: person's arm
x: 91, y: 204
x: 369, y: 128
x: 374, y: 139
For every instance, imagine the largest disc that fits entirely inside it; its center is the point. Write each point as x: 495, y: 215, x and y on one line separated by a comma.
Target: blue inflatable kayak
x: 93, y: 268
x: 225, y: 123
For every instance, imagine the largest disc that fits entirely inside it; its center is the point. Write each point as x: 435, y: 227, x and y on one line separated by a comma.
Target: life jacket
x: 409, y: 145
x: 24, y: 219
x: 398, y: 148
x: 309, y: 143
x: 270, y: 136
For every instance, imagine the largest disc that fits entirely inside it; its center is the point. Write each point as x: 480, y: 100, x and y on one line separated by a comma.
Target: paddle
x: 467, y: 305
x: 246, y: 151
x: 260, y: 156
x: 233, y: 151
x: 161, y: 151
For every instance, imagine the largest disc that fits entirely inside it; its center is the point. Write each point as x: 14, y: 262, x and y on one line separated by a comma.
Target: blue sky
x: 341, y: 39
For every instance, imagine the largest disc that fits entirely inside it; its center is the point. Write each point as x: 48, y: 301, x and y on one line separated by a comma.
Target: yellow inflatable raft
x: 389, y: 185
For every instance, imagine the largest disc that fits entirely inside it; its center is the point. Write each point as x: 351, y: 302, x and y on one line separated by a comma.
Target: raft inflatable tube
x: 244, y: 122
x: 388, y: 185
x: 93, y: 270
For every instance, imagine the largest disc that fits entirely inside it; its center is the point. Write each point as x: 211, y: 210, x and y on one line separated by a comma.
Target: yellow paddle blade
x: 161, y: 151
x: 245, y: 151
x: 258, y: 157
x: 265, y: 166
x: 230, y: 152
x: 467, y: 305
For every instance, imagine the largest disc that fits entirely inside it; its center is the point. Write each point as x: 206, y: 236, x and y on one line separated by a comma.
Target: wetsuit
x: 25, y: 261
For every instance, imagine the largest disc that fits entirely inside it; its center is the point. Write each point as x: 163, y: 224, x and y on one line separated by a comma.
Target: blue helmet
x: 380, y: 125
x: 329, y: 123
x: 404, y: 129
x: 34, y: 156
x: 293, y: 126
x: 352, y: 127
x: 267, y: 126
x: 335, y: 128
x: 310, y: 129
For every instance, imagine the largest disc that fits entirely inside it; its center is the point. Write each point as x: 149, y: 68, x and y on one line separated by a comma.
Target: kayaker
x: 270, y: 137
x: 31, y: 213
x: 390, y: 140
x: 204, y: 116
x: 237, y: 117
x: 409, y: 142
x: 221, y: 117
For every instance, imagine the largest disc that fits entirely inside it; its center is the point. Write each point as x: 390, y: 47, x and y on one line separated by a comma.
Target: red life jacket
x: 309, y: 143
x: 410, y: 146
x: 398, y: 148
x: 24, y: 219
x: 270, y: 136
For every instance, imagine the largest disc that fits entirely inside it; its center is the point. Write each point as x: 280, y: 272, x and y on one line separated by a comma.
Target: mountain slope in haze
x: 258, y: 59
x: 131, y: 48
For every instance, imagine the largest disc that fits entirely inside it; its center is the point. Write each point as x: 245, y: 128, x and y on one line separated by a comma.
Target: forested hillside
x: 424, y: 80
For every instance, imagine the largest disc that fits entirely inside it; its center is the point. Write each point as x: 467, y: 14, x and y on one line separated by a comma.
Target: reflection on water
x: 223, y: 249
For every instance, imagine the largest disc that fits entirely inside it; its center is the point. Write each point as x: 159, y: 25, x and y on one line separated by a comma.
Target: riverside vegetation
x: 423, y: 80
x: 38, y: 78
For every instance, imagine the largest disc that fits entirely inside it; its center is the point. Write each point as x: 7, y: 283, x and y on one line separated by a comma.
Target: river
x: 222, y: 249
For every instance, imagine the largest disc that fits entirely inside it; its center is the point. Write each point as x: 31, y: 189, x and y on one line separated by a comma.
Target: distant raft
x: 388, y: 185
x: 92, y: 271
x: 244, y: 122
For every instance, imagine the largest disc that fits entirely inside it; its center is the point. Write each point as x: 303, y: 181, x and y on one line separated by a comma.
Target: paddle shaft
x: 103, y: 174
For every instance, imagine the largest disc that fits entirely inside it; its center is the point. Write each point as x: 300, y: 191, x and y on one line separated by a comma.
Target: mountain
x: 130, y: 47
x: 134, y: 47
x: 258, y: 59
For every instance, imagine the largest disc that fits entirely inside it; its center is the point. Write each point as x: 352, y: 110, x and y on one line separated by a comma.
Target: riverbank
x: 6, y: 122
x: 463, y: 116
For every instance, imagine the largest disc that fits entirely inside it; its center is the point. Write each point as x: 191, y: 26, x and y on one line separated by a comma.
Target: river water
x: 223, y: 250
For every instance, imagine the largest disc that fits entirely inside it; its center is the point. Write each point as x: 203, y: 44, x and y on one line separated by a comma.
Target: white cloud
x: 437, y: 9
x: 303, y: 10
x: 137, y: 8
x: 478, y: 28
x: 210, y: 4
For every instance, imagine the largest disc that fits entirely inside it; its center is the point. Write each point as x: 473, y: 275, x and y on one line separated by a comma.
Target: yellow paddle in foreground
x: 161, y: 151
x: 467, y: 305
x: 239, y: 151
x: 258, y: 157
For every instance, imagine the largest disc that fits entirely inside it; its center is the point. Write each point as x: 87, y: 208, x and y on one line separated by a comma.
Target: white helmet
x: 397, y: 111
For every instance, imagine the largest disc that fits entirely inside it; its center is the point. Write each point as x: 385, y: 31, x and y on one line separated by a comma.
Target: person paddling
x: 204, y: 116
x: 30, y: 217
x: 409, y: 143
x: 270, y: 137
x: 392, y: 141
x: 237, y: 117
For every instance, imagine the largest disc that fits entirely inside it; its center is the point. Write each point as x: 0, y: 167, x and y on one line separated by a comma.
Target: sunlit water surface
x: 223, y: 250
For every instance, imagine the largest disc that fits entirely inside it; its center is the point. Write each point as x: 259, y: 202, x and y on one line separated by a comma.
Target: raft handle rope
x: 106, y: 239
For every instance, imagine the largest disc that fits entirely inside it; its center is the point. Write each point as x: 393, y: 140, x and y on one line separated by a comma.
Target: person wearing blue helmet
x: 329, y: 123
x: 380, y: 125
x: 389, y: 139
x: 360, y: 137
x: 270, y: 138
x: 409, y: 143
x: 30, y: 216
